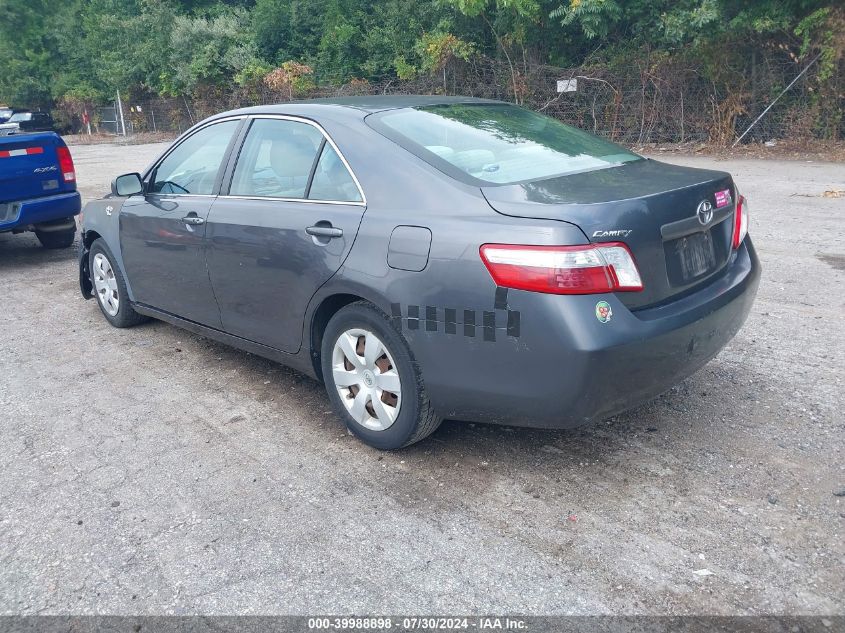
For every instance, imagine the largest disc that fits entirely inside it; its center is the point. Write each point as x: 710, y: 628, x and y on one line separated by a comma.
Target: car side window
x: 332, y: 180
x: 192, y: 167
x: 276, y: 160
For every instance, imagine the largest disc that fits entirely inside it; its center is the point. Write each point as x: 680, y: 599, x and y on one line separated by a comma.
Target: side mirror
x: 127, y: 185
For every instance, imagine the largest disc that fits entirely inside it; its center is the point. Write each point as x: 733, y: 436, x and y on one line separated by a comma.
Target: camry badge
x: 704, y: 212
x: 616, y: 233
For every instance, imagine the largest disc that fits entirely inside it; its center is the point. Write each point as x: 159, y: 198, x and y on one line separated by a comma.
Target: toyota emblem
x: 704, y: 212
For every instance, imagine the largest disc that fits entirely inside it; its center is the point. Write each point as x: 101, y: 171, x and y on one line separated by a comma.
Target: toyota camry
x: 430, y: 258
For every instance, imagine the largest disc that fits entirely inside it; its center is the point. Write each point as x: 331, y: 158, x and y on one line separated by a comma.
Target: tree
x: 436, y: 50
x: 520, y: 14
x: 85, y: 50
x: 27, y: 50
x: 209, y: 50
x: 291, y: 77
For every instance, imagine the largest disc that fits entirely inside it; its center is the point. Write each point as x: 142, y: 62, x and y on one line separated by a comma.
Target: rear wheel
x: 110, y: 287
x: 56, y: 239
x: 372, y: 380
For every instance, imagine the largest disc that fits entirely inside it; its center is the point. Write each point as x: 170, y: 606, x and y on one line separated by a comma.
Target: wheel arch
x: 338, y: 293
x: 89, y: 236
x: 85, y: 286
x: 327, y: 307
x: 112, y: 241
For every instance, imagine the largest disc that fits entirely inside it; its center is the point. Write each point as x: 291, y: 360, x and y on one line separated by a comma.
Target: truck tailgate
x: 29, y: 167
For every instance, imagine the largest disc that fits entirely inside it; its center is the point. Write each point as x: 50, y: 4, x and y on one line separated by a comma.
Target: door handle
x: 324, y: 231
x: 193, y: 219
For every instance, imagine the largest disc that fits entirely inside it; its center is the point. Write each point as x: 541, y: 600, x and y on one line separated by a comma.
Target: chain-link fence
x: 650, y: 101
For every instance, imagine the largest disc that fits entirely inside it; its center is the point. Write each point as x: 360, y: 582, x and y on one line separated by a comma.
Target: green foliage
x: 26, y: 50
x: 209, y: 49
x: 435, y: 50
x: 252, y: 73
x: 525, y: 8
x: 595, y: 17
x: 404, y: 70
x: 79, y: 52
x: 287, y: 29
x: 695, y: 22
x: 824, y: 30
x: 340, y: 51
x: 291, y: 77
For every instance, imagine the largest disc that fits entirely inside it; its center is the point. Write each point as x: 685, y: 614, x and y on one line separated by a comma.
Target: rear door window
x: 332, y: 180
x: 276, y: 160
x: 192, y: 167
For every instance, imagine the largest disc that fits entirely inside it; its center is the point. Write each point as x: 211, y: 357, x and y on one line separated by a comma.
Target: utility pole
x: 120, y: 109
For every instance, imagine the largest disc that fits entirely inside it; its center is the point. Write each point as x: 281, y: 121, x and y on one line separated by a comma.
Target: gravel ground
x: 151, y: 471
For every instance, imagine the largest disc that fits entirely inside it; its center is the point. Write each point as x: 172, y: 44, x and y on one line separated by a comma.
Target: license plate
x: 696, y: 255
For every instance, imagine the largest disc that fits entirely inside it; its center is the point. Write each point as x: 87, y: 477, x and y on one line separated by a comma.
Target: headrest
x: 291, y: 156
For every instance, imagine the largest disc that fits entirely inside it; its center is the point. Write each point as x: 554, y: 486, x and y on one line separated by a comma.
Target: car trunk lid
x: 650, y: 206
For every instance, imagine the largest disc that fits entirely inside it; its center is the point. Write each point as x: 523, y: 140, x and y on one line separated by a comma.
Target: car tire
x: 110, y: 287
x: 392, y: 418
x: 56, y: 239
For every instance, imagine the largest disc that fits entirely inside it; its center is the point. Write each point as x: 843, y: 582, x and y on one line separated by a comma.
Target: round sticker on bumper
x: 603, y: 311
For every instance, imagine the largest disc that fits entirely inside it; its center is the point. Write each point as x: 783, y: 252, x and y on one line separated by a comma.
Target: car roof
x: 367, y: 105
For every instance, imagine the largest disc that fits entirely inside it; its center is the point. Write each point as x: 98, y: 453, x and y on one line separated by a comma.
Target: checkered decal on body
x: 484, y: 324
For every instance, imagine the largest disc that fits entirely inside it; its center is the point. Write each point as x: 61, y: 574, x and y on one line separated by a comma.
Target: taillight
x: 563, y: 270
x: 66, y: 164
x: 740, y: 221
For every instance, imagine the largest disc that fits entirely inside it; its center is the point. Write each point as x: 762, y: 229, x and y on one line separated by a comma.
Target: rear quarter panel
x: 451, y: 313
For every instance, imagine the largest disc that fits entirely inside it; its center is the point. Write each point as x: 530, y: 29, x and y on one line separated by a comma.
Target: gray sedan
x: 430, y: 258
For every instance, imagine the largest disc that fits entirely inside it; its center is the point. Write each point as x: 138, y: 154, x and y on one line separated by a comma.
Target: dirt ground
x: 151, y: 471
x: 816, y: 150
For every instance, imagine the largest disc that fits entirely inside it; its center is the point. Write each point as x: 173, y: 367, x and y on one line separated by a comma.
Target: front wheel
x: 110, y: 287
x: 372, y: 380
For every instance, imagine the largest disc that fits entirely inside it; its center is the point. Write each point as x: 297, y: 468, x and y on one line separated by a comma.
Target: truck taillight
x: 66, y: 164
x: 564, y: 270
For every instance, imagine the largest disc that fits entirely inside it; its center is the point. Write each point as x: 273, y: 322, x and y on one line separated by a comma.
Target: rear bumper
x: 566, y: 368
x: 27, y: 213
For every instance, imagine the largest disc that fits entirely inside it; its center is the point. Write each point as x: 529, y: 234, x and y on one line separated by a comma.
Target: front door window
x: 192, y: 167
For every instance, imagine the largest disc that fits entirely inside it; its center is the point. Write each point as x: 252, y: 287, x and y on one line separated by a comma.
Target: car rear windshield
x: 498, y: 144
